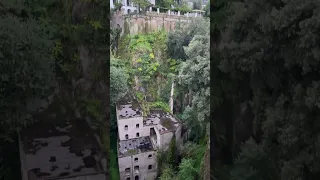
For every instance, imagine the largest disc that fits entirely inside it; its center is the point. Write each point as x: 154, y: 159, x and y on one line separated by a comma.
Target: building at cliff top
x: 127, y: 5
x: 141, y: 136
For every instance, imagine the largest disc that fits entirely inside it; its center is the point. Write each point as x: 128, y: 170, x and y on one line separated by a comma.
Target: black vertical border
x: 107, y: 38
x: 211, y: 92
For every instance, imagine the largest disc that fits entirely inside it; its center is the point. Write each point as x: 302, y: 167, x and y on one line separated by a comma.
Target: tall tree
x: 272, y: 49
x: 26, y: 70
x: 195, y: 74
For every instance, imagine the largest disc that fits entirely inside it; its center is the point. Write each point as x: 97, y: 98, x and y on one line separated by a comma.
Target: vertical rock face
x: 94, y: 78
x: 86, y: 61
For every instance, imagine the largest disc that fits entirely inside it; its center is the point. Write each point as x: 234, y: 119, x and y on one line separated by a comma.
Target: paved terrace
x: 163, y: 121
x: 134, y: 146
x: 60, y: 150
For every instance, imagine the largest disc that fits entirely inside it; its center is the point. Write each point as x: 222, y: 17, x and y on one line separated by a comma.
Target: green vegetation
x: 40, y: 42
x: 153, y: 62
x: 190, y: 45
x: 143, y: 4
x: 160, y: 104
x: 267, y: 80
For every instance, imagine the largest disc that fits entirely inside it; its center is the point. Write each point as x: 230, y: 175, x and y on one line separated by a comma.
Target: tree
x: 118, y: 83
x: 173, y: 153
x: 195, y: 74
x: 143, y: 4
x: 252, y: 163
x: 207, y: 10
x: 271, y: 50
x: 167, y: 174
x: 182, y: 35
x: 165, y: 3
x: 26, y: 76
x: 26, y: 70
x: 197, y: 4
x: 187, y: 170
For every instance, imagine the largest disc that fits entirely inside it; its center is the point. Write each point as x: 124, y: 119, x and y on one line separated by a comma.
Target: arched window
x: 137, y: 134
x: 136, y: 168
x: 126, y: 127
x: 127, y: 136
x: 135, y: 159
x: 150, y: 156
x: 127, y: 170
x: 150, y: 167
x: 137, y: 125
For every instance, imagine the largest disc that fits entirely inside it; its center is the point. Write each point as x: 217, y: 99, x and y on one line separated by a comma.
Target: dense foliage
x: 24, y: 80
x: 189, y: 44
x: 153, y: 67
x: 39, y: 52
x: 269, y: 53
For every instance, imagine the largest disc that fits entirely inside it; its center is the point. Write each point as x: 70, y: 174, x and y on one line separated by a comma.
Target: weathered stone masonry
x: 140, y: 138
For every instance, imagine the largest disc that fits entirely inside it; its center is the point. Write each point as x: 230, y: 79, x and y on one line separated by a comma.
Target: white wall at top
x: 128, y: 8
x: 152, y: 2
x: 132, y: 130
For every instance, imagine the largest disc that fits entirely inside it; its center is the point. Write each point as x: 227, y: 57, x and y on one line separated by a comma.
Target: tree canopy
x: 40, y: 43
x: 27, y: 69
x: 269, y: 53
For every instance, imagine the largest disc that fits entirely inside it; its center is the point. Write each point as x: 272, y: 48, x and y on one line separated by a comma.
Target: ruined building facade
x: 140, y: 137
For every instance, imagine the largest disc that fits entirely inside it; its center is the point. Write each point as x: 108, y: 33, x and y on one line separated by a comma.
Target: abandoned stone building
x: 140, y: 138
x: 64, y: 151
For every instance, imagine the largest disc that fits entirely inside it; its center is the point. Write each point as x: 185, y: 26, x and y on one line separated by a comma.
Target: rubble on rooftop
x: 60, y: 150
x: 134, y: 146
x: 128, y: 107
x: 164, y: 121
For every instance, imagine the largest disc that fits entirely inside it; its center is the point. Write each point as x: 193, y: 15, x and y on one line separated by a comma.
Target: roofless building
x: 140, y: 137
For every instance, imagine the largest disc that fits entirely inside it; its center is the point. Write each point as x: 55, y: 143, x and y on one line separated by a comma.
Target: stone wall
x: 165, y: 140
x: 137, y: 23
x: 132, y: 130
x: 143, y: 161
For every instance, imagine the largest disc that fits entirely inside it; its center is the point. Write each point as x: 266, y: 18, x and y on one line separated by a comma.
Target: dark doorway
x: 152, y: 132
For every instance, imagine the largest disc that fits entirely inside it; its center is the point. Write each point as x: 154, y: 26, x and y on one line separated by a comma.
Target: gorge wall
x: 149, y: 22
